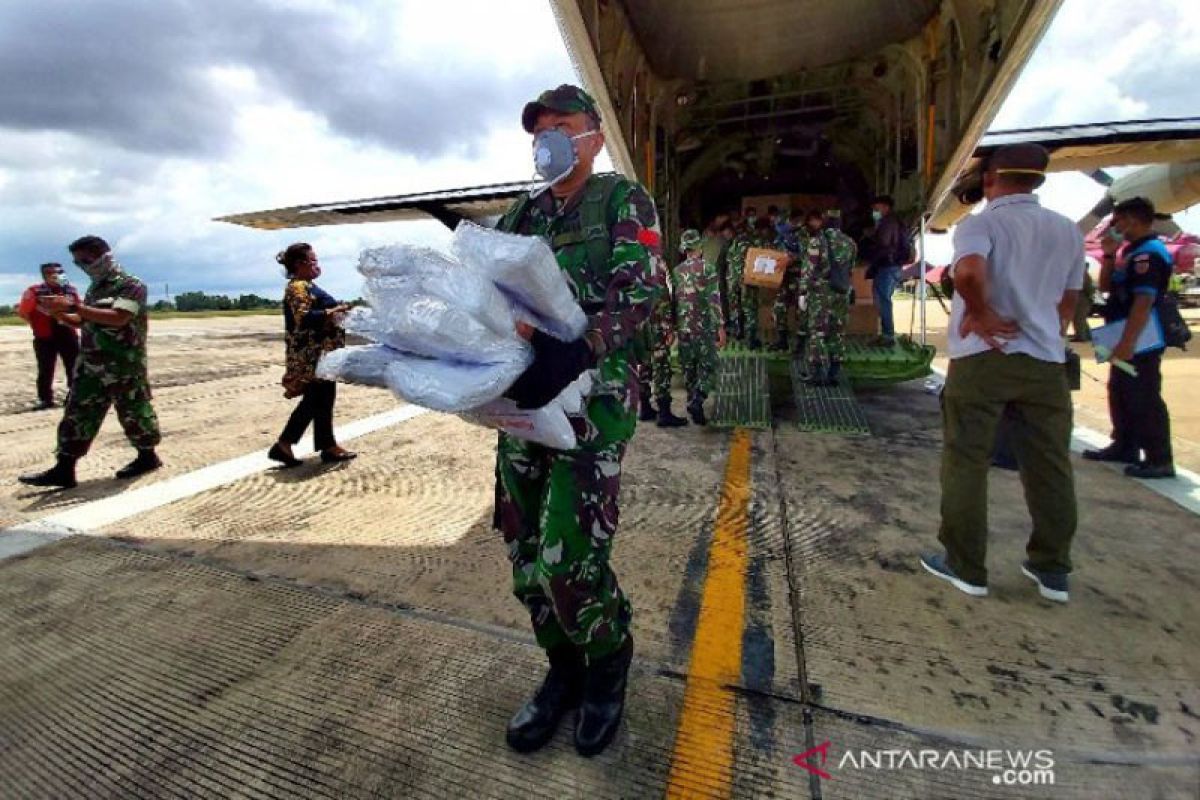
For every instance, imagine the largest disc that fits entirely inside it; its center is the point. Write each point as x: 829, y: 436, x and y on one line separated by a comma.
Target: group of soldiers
x: 707, y: 304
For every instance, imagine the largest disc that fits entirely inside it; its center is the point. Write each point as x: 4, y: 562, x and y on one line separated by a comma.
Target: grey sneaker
x: 1051, y: 585
x: 935, y: 564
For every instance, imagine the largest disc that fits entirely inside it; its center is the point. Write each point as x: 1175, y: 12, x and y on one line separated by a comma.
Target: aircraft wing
x: 1084, y: 148
x: 448, y: 207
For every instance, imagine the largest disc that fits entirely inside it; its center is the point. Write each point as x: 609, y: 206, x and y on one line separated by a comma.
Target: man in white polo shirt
x: 1017, y: 272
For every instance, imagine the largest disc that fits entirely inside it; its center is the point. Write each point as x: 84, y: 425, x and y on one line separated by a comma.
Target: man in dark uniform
x: 1134, y: 284
x: 557, y: 509
x: 111, y: 368
x: 52, y: 339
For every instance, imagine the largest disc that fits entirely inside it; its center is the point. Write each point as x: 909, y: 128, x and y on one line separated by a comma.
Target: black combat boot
x: 816, y: 375
x: 666, y: 419
x: 603, y: 701
x: 646, y: 410
x: 835, y: 372
x: 535, y: 722
x: 61, y: 475
x: 146, y: 461
x: 695, y: 408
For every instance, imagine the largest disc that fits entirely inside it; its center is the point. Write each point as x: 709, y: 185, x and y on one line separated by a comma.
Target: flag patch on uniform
x: 649, y: 237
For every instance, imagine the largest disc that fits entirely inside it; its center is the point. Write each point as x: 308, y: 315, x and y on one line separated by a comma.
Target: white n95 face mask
x: 554, y: 156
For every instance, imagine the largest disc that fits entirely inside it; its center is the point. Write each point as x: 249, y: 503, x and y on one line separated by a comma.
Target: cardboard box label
x: 765, y: 267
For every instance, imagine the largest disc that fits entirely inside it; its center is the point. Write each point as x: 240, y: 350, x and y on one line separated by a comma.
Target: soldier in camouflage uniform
x: 788, y: 296
x: 735, y: 265
x: 746, y: 298
x: 701, y: 327
x: 111, y: 369
x: 556, y: 509
x: 826, y: 308
x: 654, y: 367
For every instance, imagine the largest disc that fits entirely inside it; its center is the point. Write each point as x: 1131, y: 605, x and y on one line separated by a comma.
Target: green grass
x: 256, y: 312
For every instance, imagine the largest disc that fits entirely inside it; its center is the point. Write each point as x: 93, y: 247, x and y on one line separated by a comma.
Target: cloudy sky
x: 141, y: 121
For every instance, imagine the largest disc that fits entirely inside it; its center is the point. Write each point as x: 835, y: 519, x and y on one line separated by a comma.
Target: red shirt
x: 44, y: 326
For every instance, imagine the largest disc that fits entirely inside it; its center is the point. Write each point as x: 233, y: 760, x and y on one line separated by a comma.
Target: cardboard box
x: 862, y: 286
x: 765, y: 268
x: 863, y: 321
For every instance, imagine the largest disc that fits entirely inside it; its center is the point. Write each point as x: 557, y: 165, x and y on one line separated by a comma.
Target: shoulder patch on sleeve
x: 1141, y: 263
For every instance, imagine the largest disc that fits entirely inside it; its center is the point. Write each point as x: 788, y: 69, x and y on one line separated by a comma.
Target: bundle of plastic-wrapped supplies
x: 444, y: 329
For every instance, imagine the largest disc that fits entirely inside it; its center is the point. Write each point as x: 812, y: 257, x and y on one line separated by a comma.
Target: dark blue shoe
x: 1051, y: 585
x: 935, y: 564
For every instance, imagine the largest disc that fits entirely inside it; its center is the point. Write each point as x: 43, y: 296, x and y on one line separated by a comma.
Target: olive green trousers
x: 978, y: 388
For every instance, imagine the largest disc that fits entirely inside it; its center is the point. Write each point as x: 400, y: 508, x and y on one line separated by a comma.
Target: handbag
x: 1174, y: 328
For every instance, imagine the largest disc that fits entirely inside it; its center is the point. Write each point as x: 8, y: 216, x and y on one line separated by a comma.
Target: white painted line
x: 1183, y: 489
x: 21, y: 539
x: 97, y: 514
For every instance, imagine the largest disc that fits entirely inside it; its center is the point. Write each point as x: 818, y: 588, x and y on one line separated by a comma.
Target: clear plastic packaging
x: 445, y: 332
x: 449, y: 385
x: 525, y: 269
x: 365, y: 365
x: 426, y: 325
x: 441, y: 385
x: 398, y: 270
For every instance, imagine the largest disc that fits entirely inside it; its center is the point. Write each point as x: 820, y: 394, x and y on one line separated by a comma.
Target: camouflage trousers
x: 94, y: 390
x: 557, y: 511
x: 698, y: 355
x: 654, y: 368
x: 786, y: 298
x: 743, y: 312
x: 825, y: 327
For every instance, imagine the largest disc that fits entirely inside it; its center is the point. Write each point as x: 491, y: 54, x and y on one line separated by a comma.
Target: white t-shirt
x: 1034, y: 255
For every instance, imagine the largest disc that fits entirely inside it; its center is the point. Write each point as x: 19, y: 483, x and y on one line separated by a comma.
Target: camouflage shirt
x: 120, y: 349
x: 698, y: 296
x: 816, y: 255
x: 617, y: 297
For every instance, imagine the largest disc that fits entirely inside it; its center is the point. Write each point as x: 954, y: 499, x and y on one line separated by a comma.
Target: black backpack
x: 839, y: 272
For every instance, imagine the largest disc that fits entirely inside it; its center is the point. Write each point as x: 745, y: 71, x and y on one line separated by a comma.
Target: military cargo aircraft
x: 709, y: 104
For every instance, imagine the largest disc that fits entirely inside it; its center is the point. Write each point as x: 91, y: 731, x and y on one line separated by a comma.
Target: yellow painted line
x: 702, y: 761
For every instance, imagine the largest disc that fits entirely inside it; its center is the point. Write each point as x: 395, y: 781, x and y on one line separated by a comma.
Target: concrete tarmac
x: 347, y: 631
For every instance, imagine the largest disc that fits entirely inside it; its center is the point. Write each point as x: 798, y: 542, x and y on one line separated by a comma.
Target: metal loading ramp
x: 827, y: 409
x: 743, y: 394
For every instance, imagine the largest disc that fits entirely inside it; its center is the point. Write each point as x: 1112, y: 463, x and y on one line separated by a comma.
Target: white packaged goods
x: 429, y: 326
x: 549, y: 425
x: 444, y: 332
x: 523, y: 267
x: 402, y: 269
x: 362, y: 364
x: 451, y: 386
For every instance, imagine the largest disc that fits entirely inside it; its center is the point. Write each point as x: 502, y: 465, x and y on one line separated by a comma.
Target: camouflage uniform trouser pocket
x: 87, y: 405
x: 558, y: 513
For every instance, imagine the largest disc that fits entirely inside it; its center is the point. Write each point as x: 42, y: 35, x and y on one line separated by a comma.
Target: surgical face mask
x: 876, y: 214
x: 1115, y: 235
x: 750, y: 220
x: 555, y: 155
x: 54, y: 278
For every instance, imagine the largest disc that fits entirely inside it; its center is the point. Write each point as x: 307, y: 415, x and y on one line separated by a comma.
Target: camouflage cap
x: 690, y: 240
x: 566, y: 99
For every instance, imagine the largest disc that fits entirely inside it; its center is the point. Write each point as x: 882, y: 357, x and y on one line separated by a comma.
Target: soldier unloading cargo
x: 557, y: 509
